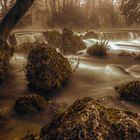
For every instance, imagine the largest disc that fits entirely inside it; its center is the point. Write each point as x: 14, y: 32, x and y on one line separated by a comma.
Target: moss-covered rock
x: 99, y: 49
x: 71, y: 43
x: 53, y: 38
x: 47, y: 69
x: 30, y: 104
x: 67, y: 42
x: 130, y: 91
x: 88, y: 120
x: 91, y: 34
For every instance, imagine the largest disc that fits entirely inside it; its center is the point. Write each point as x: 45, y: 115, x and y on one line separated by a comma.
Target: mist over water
x: 95, y: 77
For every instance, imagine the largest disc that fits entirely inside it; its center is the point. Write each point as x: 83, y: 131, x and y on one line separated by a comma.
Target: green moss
x: 47, y: 69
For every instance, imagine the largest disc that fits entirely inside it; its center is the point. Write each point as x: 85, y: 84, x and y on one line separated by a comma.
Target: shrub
x: 99, y: 49
x: 30, y: 104
x: 46, y: 69
x: 130, y: 91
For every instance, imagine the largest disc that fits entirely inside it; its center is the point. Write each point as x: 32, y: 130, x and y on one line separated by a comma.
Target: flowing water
x: 95, y: 77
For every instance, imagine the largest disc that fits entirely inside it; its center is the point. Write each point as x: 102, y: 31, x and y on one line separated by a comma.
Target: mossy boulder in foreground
x: 88, y: 120
x: 47, y: 69
x: 130, y: 91
x: 30, y: 104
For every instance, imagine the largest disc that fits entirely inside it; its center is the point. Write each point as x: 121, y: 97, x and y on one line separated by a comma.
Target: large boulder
x: 30, y: 104
x: 53, y: 38
x: 130, y: 91
x: 47, y: 69
x: 67, y: 41
x: 71, y: 43
x: 88, y: 120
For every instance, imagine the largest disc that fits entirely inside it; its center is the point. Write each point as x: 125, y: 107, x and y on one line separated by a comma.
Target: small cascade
x: 29, y: 38
x: 118, y: 35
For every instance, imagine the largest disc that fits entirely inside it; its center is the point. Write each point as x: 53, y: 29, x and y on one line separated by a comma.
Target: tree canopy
x: 131, y: 11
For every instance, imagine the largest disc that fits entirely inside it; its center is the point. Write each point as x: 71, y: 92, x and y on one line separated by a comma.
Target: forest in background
x: 79, y: 13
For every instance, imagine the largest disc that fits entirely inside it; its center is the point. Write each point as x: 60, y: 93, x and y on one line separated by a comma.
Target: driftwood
x: 13, y: 16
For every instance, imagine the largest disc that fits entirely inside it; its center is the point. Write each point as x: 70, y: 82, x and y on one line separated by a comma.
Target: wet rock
x: 67, y: 41
x: 71, y: 43
x: 91, y: 34
x: 127, y: 54
x: 99, y: 49
x: 53, y: 38
x: 30, y: 104
x: 130, y: 91
x: 88, y: 120
x: 47, y: 69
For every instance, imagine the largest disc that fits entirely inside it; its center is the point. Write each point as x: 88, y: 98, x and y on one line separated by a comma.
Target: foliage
x: 30, y: 104
x: 47, y: 69
x: 99, y: 49
x: 131, y: 11
x: 130, y: 91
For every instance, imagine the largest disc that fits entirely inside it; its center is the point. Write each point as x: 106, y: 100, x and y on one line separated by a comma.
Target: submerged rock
x: 88, y: 120
x: 130, y: 91
x: 47, y: 69
x: 30, y: 104
x: 127, y: 54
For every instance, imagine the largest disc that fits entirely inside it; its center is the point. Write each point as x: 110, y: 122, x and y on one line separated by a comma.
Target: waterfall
x: 29, y: 38
x: 119, y: 35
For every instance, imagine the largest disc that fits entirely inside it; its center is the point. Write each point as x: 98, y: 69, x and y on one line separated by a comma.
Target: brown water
x: 96, y: 78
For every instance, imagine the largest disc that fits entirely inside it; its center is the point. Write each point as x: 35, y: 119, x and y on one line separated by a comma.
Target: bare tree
x: 13, y: 16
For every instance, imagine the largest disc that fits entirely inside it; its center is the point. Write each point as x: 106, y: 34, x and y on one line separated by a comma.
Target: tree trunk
x: 13, y: 16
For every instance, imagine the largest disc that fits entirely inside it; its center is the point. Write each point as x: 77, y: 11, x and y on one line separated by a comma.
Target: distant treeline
x: 85, y: 13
